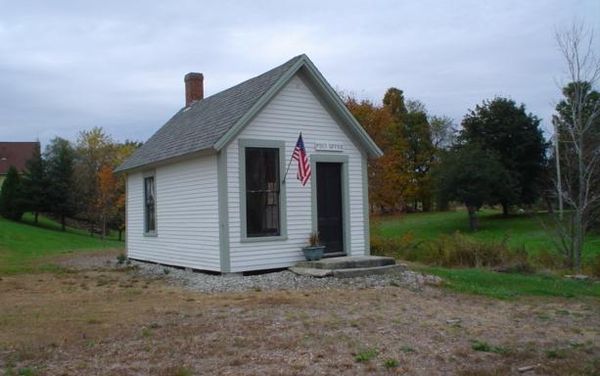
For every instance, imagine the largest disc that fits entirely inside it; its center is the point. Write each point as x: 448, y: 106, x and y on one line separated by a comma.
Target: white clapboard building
x: 209, y: 189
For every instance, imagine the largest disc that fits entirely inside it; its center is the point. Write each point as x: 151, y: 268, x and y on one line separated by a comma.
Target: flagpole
x: 290, y: 163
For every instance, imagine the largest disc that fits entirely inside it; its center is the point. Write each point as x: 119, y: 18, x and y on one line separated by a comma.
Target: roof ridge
x: 203, y: 123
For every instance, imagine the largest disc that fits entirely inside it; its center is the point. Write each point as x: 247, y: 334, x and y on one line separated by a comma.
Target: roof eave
x: 162, y: 162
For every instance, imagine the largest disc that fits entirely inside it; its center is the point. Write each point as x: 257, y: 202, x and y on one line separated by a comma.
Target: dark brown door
x: 329, y: 206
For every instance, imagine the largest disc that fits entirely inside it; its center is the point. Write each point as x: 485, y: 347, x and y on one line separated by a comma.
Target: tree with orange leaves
x: 389, y: 180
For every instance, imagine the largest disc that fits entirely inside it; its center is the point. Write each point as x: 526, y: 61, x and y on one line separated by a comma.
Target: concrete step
x: 348, y: 273
x: 347, y: 262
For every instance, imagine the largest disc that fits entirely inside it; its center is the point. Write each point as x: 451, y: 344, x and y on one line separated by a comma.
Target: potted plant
x: 314, y: 250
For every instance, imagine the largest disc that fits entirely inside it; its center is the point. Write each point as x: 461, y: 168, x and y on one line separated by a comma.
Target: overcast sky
x: 67, y: 66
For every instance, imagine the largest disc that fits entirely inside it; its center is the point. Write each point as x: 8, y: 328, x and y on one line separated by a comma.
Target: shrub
x: 594, y: 266
x: 549, y: 259
x: 462, y: 251
x: 392, y: 246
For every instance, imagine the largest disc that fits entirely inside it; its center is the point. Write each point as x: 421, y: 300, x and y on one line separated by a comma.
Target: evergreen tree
x: 516, y: 137
x: 35, y: 185
x: 11, y: 196
x: 60, y: 159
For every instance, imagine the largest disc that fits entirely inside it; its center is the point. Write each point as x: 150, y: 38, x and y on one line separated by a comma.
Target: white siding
x: 186, y: 213
x: 294, y: 109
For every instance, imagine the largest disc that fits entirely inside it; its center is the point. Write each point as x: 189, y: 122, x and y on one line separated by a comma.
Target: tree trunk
x: 581, y: 202
x: 505, y: 209
x: 120, y: 234
x: 473, y: 219
x: 103, y: 227
x: 549, y: 204
x: 63, y: 222
x: 427, y: 204
x: 35, y: 217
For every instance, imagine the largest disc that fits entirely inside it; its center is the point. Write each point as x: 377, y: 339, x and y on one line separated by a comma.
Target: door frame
x: 343, y: 160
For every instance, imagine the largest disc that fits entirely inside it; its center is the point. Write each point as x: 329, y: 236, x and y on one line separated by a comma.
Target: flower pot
x: 313, y: 253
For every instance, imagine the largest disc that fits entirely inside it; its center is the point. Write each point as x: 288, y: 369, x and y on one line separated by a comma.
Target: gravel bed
x: 283, y: 280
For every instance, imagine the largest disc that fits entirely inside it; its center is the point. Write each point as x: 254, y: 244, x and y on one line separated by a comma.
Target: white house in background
x: 207, y: 190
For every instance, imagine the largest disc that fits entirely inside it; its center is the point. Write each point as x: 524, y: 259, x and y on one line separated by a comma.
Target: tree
x: 388, y: 180
x: 107, y: 196
x: 122, y: 152
x: 577, y: 124
x: 12, y: 205
x: 35, y: 185
x: 443, y: 135
x: 60, y: 158
x: 442, y: 132
x: 516, y: 137
x: 469, y: 174
x: 420, y: 152
x: 94, y: 150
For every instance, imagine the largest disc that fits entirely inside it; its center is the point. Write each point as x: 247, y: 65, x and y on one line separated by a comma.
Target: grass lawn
x: 24, y: 245
x: 513, y: 285
x: 521, y: 231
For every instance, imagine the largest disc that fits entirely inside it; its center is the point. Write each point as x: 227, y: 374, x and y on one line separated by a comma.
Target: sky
x: 66, y: 66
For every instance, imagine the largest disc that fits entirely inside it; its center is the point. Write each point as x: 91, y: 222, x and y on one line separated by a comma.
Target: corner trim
x: 365, y: 188
x: 242, y: 145
x: 223, y: 201
x: 346, y: 220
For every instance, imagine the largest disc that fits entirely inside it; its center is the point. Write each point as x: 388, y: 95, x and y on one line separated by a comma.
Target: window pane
x: 150, y: 204
x: 262, y: 192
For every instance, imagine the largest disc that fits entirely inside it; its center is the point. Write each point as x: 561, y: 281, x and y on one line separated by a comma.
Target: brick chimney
x: 194, y: 88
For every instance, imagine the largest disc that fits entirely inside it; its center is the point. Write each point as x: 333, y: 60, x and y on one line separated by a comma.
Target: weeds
x: 20, y: 372
x: 556, y: 353
x: 121, y: 259
x: 391, y: 363
x: 366, y: 355
x: 486, y: 347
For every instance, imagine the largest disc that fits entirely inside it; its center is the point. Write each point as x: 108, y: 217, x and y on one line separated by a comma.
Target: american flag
x: 299, y: 154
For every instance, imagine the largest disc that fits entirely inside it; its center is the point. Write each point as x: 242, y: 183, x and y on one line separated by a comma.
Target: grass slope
x: 23, y: 245
x: 520, y: 231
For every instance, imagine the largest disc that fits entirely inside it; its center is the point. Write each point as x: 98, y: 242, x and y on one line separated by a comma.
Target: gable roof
x: 16, y: 154
x: 211, y: 123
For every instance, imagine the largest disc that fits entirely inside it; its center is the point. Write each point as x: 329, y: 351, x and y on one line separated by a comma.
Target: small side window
x: 149, y: 205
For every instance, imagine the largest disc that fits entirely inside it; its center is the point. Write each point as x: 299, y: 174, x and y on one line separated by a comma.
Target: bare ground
x: 104, y: 321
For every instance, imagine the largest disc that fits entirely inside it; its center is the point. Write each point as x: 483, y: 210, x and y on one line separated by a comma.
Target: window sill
x: 259, y: 239
x: 151, y: 234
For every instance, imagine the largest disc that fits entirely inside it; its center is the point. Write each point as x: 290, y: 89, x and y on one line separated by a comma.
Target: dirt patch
x: 119, y: 323
x: 89, y: 260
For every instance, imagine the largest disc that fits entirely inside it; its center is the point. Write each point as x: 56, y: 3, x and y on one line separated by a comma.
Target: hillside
x: 24, y: 246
